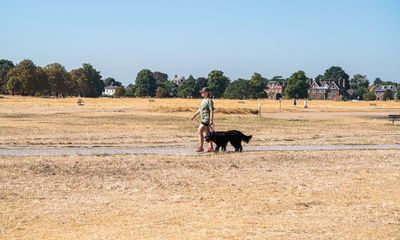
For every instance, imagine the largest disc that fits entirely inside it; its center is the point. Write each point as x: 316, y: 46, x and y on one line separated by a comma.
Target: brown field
x: 265, y: 195
x: 128, y: 122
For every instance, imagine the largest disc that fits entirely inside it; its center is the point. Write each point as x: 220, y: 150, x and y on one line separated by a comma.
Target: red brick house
x: 325, y: 90
x: 275, y: 89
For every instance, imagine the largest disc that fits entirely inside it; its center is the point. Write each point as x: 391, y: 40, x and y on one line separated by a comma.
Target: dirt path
x: 181, y: 150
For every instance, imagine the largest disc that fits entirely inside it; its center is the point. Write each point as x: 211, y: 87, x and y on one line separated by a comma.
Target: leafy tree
x: 217, y: 82
x: 14, y: 85
x: 258, y: 84
x: 388, y: 95
x: 187, y: 89
x: 398, y: 93
x: 359, y: 84
x: 278, y: 79
x: 145, y: 84
x: 297, y: 85
x: 201, y: 83
x: 119, y: 91
x: 111, y: 81
x: 130, y: 90
x: 5, y: 67
x: 58, y: 77
x: 160, y: 77
x: 71, y: 85
x: 369, y: 96
x: 239, y: 89
x: 88, y: 81
x: 171, y: 88
x: 335, y: 73
x: 379, y: 81
x: 23, y: 77
x: 319, y: 78
x: 79, y: 80
x: 42, y: 81
x: 161, y: 92
x: 94, y: 78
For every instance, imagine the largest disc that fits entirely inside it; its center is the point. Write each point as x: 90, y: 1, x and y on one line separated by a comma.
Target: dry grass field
x: 137, y: 122
x: 253, y: 195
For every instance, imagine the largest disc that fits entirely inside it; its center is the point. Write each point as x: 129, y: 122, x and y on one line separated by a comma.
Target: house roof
x: 110, y: 87
x: 382, y: 88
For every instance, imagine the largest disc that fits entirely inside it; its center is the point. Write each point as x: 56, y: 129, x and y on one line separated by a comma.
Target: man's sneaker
x: 199, y: 149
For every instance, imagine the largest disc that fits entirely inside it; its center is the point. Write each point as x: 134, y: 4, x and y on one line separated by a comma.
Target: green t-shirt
x: 206, y: 106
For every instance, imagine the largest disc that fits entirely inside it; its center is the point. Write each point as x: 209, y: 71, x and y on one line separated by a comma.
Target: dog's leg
x: 236, y: 145
x: 224, y: 147
x: 217, y: 148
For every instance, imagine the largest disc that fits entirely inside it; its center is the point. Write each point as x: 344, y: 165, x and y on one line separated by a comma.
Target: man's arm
x: 195, y: 114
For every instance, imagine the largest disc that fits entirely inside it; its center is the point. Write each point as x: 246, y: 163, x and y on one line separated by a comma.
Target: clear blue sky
x: 193, y: 37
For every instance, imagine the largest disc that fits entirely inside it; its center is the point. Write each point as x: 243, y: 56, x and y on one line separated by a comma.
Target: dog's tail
x: 246, y: 139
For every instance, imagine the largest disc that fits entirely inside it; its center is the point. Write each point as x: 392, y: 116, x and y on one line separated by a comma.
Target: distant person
x: 305, y: 103
x: 294, y: 102
x: 206, y: 112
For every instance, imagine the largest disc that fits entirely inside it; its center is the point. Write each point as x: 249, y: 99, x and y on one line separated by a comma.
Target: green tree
x: 369, y: 96
x: 5, y: 67
x: 359, y: 84
x: 171, y: 88
x: 94, y: 78
x: 58, y: 77
x: 278, y: 79
x: 379, y: 81
x: 239, y: 89
x: 161, y: 92
x: 201, y: 83
x: 297, y: 85
x: 319, y: 78
x: 398, y: 92
x: 258, y: 84
x: 14, y: 85
x: 23, y: 77
x: 81, y: 82
x: 187, y: 89
x: 111, y: 81
x: 388, y: 95
x: 71, y: 85
x: 130, y: 90
x: 145, y: 84
x: 160, y: 77
x: 42, y: 82
x: 336, y: 73
x: 217, y: 82
x: 119, y: 91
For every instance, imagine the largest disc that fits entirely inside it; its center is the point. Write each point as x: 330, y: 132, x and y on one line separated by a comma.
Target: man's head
x: 205, y: 91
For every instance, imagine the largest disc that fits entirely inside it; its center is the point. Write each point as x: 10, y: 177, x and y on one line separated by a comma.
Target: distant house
x: 381, y: 89
x: 109, y: 91
x: 325, y: 90
x: 275, y: 89
x: 178, y: 80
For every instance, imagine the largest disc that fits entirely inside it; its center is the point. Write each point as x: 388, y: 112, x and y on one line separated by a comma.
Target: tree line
x: 28, y: 79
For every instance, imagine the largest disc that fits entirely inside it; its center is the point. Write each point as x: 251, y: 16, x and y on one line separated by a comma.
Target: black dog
x: 221, y: 139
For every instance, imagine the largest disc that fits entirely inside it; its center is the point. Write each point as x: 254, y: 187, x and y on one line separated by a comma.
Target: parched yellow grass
x: 272, y: 195
x: 27, y: 121
x: 184, y: 105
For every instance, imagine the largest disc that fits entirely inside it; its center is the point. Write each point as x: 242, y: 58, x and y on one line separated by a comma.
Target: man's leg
x: 200, y: 132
